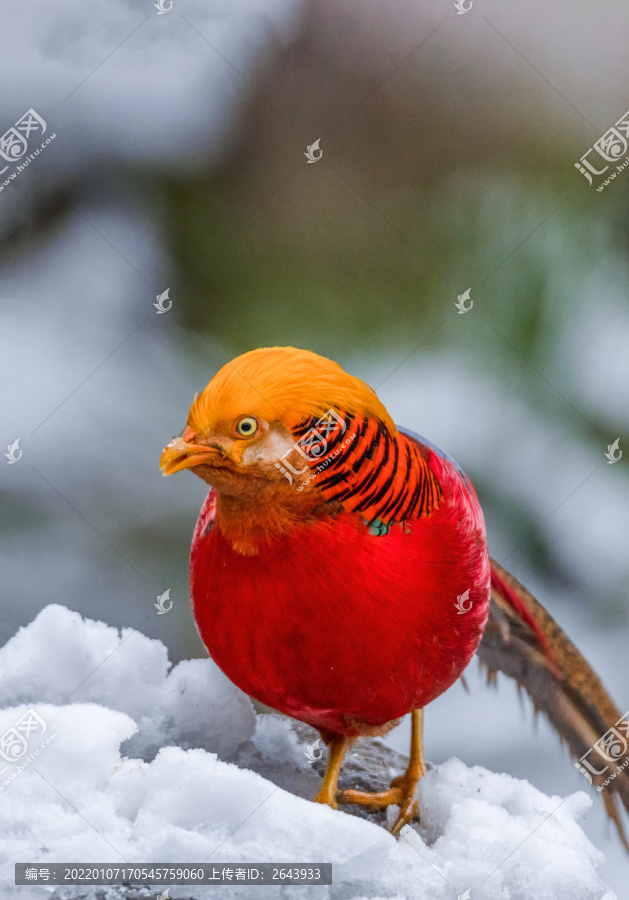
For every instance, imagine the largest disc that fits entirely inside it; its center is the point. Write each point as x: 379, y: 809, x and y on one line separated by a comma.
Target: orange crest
x: 283, y: 384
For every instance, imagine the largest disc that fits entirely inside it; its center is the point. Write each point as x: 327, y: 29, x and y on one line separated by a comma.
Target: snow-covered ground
x: 134, y: 760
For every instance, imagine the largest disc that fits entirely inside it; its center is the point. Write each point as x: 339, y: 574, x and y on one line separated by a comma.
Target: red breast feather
x: 336, y: 626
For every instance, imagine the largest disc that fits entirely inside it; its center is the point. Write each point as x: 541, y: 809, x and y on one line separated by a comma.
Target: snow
x: 143, y: 767
x: 193, y: 704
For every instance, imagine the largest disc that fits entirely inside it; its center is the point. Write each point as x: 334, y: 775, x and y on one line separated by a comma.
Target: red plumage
x: 334, y: 625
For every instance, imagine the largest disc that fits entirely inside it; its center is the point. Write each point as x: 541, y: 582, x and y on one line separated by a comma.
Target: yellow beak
x: 183, y: 454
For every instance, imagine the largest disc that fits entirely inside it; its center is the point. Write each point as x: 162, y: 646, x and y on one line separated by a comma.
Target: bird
x: 340, y: 572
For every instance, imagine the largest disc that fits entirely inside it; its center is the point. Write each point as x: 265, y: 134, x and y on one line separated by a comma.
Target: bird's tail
x: 524, y: 642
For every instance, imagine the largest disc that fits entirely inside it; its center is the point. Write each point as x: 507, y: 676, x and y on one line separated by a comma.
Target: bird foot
x: 326, y: 797
x: 401, y: 793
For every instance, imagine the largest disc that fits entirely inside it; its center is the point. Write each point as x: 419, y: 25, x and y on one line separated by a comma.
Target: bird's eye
x: 247, y: 426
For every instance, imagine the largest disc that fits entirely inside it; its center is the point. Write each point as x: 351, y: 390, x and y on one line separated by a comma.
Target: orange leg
x: 403, y: 788
x: 327, y: 792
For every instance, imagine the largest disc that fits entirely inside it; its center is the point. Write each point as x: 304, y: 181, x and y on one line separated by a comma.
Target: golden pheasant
x: 340, y: 571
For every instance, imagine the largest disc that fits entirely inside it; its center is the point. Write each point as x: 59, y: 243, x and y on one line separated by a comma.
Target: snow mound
x: 92, y: 789
x: 61, y: 658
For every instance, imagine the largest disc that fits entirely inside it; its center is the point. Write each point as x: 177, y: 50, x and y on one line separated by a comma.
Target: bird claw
x: 401, y: 793
x: 376, y: 801
x: 408, y: 812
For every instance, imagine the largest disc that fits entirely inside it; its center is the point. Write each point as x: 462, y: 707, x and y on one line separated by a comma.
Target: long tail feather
x: 524, y: 642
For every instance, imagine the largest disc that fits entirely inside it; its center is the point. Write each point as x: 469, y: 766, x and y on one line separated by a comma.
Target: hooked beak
x: 183, y: 453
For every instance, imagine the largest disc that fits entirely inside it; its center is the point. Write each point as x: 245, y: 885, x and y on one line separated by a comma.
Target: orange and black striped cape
x: 385, y: 477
